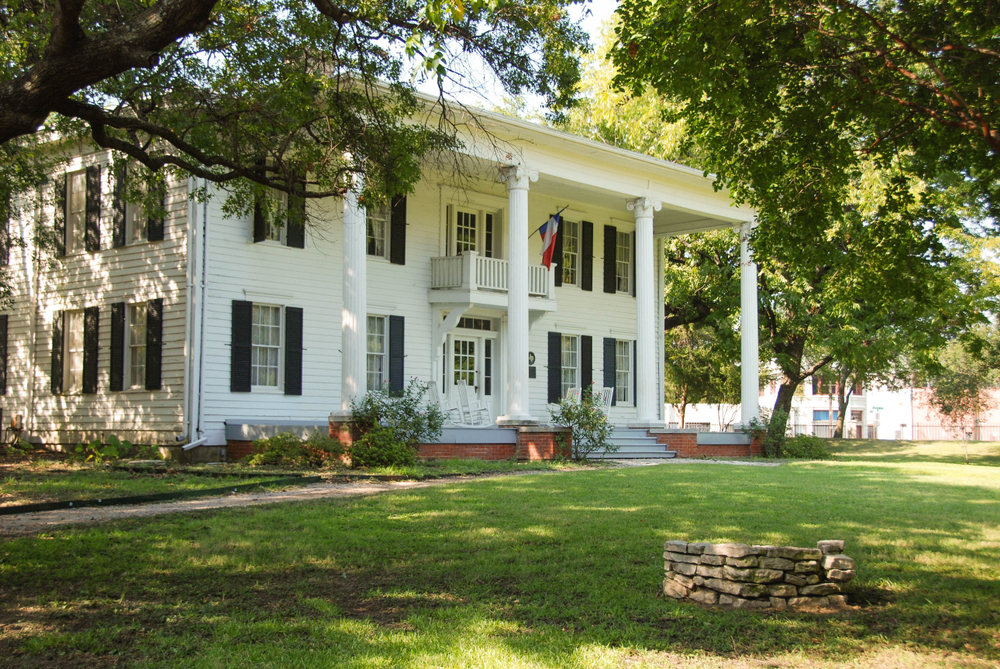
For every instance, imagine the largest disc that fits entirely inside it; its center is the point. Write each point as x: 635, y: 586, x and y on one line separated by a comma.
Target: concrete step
x: 636, y: 454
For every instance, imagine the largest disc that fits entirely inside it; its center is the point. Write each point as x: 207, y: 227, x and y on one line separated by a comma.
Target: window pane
x: 137, y: 345
x: 570, y: 363
x: 76, y: 185
x: 623, y: 372
x: 570, y: 231
x: 375, y: 232
x: 465, y: 232
x: 266, y: 345
x: 623, y: 262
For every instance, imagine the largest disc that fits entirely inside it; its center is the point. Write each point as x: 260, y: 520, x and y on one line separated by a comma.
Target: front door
x: 466, y: 365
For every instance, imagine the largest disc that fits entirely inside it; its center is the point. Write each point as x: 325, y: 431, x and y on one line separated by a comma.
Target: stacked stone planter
x: 758, y: 577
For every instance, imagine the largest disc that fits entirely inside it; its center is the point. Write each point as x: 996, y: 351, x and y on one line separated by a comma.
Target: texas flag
x: 548, y: 234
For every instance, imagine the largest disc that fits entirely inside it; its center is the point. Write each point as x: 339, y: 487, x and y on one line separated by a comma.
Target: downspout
x: 188, y: 326
x: 204, y: 289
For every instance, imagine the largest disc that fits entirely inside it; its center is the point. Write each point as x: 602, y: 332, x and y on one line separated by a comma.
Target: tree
x: 298, y: 96
x: 825, y: 86
x: 960, y: 384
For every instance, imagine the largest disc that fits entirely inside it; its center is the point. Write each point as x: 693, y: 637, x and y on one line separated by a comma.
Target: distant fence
x: 826, y: 430
x: 949, y: 433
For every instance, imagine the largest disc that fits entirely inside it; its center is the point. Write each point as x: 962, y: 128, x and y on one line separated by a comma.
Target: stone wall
x: 758, y: 577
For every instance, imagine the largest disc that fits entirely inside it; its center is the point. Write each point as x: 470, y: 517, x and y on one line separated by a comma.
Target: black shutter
x: 610, y: 375
x: 635, y: 402
x: 155, y: 224
x: 5, y: 231
x: 586, y: 361
x: 118, y: 346
x: 118, y: 207
x: 259, y: 228
x: 293, y: 350
x: 57, y: 352
x: 396, y: 353
x: 59, y: 224
x: 296, y: 235
x: 587, y: 255
x: 91, y: 339
x: 3, y: 354
x: 557, y: 254
x: 632, y: 268
x: 242, y: 344
x: 397, y: 234
x: 610, y: 251
x: 92, y: 237
x: 154, y: 344
x: 555, y: 367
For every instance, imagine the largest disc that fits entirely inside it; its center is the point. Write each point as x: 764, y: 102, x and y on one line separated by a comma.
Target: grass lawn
x: 535, y: 571
x: 980, y: 452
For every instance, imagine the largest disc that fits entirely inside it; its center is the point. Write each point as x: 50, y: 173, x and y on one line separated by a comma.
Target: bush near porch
x: 530, y: 571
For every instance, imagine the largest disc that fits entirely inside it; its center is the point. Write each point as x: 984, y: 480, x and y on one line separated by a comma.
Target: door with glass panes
x: 472, y: 358
x: 476, y: 230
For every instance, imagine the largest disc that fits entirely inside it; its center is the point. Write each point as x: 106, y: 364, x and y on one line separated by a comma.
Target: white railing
x: 472, y: 272
x: 491, y: 274
x: 446, y: 272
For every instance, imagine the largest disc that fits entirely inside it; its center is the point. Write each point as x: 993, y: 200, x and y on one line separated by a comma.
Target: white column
x: 517, y: 179
x: 646, y: 414
x: 658, y: 325
x: 353, y: 348
x: 749, y: 366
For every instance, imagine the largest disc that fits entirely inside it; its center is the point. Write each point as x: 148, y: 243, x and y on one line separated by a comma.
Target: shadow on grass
x: 551, y: 570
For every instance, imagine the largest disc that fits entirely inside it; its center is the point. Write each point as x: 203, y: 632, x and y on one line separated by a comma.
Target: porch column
x: 517, y: 179
x: 749, y: 372
x: 646, y: 414
x: 353, y: 348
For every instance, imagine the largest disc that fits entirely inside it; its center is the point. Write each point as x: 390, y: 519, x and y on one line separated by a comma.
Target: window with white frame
x: 570, y: 231
x: 472, y: 229
x: 76, y: 211
x: 266, y: 346
x: 466, y: 229
x: 276, y: 219
x: 570, y: 363
x: 137, y: 345
x: 378, y: 353
x: 623, y: 372
x: 73, y: 352
x: 623, y: 262
x: 135, y: 222
x: 377, y: 231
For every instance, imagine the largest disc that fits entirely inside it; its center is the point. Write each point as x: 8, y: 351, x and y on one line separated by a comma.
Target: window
x: 623, y: 262
x: 475, y: 324
x: 73, y: 356
x: 377, y: 231
x: 856, y: 415
x: 823, y: 416
x: 570, y: 363
x: 135, y: 222
x: 265, y: 346
x: 820, y: 387
x: 465, y: 232
x: 570, y: 231
x: 275, y: 225
x: 76, y: 210
x: 378, y: 353
x: 623, y: 372
x: 137, y: 345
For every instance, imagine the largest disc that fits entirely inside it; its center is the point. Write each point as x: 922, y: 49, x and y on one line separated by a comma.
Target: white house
x: 167, y: 331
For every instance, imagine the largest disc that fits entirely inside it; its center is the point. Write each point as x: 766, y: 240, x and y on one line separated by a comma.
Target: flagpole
x: 539, y: 228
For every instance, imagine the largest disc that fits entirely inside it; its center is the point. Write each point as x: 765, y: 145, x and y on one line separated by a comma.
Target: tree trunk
x: 843, y: 397
x: 779, y: 416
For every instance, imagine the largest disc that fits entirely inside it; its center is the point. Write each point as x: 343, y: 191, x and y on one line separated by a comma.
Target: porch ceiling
x: 666, y: 222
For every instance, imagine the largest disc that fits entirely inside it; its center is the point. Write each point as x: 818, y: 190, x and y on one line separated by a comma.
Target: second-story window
x: 377, y: 231
x: 137, y: 345
x: 76, y: 210
x: 623, y: 262
x: 570, y: 230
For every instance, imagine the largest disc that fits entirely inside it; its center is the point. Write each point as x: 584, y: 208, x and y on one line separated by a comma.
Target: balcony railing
x: 469, y: 271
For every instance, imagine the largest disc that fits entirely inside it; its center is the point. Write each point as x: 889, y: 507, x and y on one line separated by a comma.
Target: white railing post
x: 469, y: 270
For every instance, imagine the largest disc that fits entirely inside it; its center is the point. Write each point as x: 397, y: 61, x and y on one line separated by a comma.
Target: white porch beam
x: 749, y: 357
x: 353, y: 349
x: 645, y: 313
x: 517, y: 179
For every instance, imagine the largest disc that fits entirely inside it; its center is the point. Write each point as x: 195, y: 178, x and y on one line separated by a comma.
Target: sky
x: 480, y: 89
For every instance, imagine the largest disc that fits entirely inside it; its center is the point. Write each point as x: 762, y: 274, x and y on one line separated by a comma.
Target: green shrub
x: 99, y: 452
x: 413, y: 421
x: 806, y: 447
x: 380, y: 447
x: 288, y: 450
x: 591, y: 428
x: 759, y: 428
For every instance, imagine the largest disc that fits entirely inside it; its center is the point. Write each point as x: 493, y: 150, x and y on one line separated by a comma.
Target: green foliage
x: 769, y: 428
x: 289, y: 450
x: 381, y: 447
x: 413, y: 420
x: 807, y: 447
x: 591, y: 428
x: 99, y: 452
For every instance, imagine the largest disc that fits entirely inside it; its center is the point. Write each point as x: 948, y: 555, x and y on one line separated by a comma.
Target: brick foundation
x: 687, y: 446
x: 544, y: 443
x: 237, y: 450
x: 467, y: 451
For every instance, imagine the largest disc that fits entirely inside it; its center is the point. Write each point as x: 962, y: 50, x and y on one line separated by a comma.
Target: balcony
x: 483, y: 281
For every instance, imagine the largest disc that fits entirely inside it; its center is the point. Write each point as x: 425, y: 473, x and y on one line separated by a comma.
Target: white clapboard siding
x: 133, y: 273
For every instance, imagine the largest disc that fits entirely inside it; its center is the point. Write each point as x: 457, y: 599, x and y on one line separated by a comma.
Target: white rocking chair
x: 474, y: 411
x: 603, y: 400
x: 573, y: 395
x: 452, y: 413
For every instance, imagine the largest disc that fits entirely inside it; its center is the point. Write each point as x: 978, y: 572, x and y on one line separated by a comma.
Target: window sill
x: 267, y: 390
x: 379, y: 259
